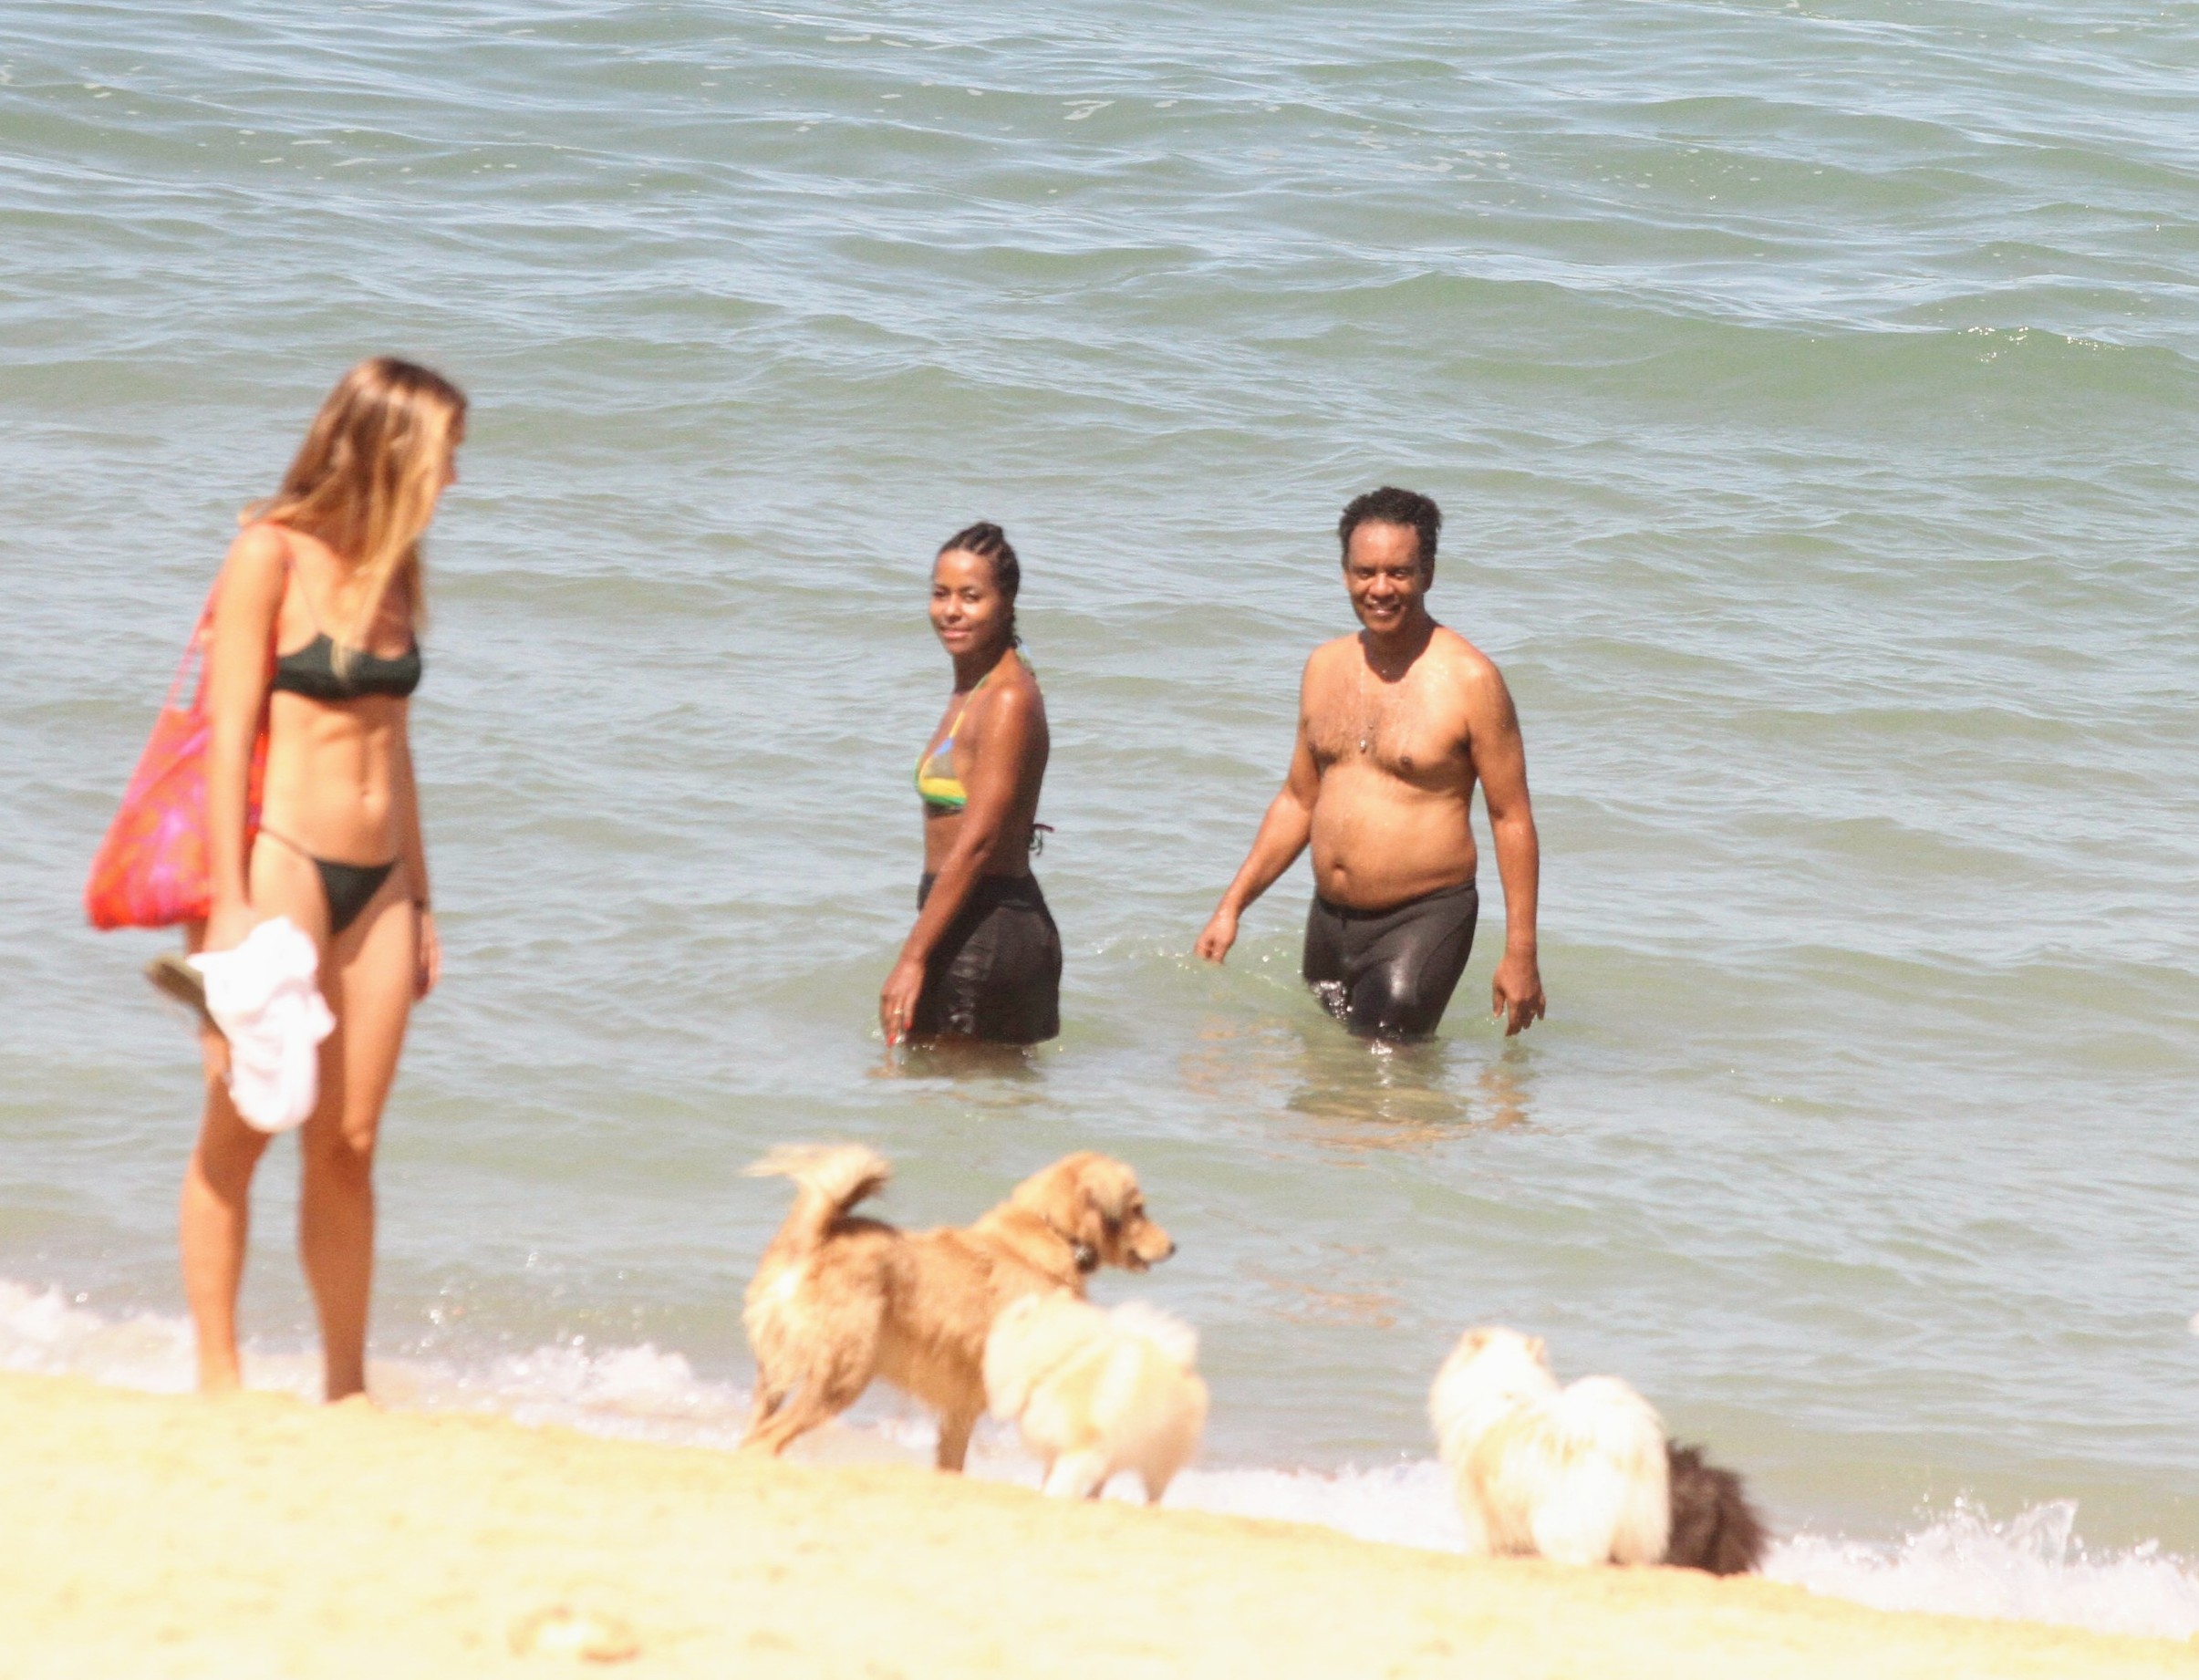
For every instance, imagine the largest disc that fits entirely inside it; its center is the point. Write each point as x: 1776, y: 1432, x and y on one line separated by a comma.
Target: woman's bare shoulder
x: 262, y: 539
x: 258, y: 558
x: 1016, y: 696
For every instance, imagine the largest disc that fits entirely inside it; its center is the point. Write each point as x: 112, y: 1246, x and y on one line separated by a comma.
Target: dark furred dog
x: 1714, y: 1527
x: 839, y: 1299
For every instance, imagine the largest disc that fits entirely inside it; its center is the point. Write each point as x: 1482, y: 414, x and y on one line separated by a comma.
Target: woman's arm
x: 996, y: 751
x: 249, y: 595
x: 413, y: 849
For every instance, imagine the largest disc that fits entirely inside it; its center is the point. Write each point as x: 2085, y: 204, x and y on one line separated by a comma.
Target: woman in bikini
x: 316, y: 630
x: 984, y: 960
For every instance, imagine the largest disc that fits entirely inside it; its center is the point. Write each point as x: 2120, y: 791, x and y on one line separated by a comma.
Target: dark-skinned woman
x: 984, y: 960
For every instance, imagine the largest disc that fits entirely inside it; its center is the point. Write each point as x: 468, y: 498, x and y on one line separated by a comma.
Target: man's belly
x: 1379, y: 842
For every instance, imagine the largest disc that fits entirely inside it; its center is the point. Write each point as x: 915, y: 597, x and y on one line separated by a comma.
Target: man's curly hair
x: 1393, y: 506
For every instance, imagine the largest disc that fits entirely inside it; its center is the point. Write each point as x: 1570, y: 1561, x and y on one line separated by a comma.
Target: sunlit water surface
x: 1811, y: 390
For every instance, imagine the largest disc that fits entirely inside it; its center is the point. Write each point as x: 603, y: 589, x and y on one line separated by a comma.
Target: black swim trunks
x: 1389, y: 973
x: 996, y: 972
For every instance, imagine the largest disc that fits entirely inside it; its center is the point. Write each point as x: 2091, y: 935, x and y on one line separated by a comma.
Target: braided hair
x: 989, y: 541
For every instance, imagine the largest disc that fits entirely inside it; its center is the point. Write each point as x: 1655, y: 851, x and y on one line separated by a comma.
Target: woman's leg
x: 366, y: 977
x: 215, y: 1219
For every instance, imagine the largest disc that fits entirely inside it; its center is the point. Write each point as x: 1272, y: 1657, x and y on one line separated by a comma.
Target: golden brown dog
x: 838, y: 1299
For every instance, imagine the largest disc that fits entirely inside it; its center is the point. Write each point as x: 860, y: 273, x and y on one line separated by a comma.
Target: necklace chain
x: 1366, y: 715
x: 1366, y: 710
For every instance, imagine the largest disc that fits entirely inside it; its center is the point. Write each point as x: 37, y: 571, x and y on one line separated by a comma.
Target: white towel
x: 265, y: 997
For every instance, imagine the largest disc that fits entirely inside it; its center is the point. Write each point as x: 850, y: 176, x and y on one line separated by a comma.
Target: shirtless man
x: 1394, y: 726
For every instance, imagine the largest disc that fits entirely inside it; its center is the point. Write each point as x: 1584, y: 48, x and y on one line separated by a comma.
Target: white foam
x: 634, y: 1392
x: 1406, y: 1504
x: 43, y: 1332
x: 2032, y: 1567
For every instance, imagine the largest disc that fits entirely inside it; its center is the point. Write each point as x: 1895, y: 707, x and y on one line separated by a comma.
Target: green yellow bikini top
x: 937, y: 784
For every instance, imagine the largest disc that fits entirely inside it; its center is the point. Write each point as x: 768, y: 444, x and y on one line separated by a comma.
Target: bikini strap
x: 962, y: 711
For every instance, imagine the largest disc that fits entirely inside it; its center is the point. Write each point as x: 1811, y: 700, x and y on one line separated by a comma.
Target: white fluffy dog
x: 1579, y: 1475
x: 1096, y: 1392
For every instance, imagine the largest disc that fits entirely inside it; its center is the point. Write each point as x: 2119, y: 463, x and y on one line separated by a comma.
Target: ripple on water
x: 1811, y: 397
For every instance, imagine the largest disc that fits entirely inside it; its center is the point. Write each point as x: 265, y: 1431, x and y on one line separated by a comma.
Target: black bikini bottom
x: 350, y: 888
x: 1389, y: 973
x: 996, y: 972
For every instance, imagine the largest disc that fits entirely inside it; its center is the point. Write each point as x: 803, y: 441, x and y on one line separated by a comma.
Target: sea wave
x: 1960, y: 1560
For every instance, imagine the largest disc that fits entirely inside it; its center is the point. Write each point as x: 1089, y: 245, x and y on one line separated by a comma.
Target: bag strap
x: 202, y: 638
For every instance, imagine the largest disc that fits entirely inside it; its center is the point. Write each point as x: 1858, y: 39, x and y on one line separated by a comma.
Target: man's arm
x: 1284, y: 833
x: 1500, y: 760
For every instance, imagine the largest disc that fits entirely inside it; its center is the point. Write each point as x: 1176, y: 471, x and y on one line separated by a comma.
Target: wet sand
x: 259, y: 1536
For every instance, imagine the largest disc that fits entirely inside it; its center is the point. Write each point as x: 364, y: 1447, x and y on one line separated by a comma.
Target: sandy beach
x: 259, y: 1536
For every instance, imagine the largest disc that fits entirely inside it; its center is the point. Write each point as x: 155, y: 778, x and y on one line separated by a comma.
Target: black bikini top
x: 311, y: 671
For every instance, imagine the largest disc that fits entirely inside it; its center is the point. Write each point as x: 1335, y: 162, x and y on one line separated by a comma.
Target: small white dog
x: 1095, y: 1391
x: 1579, y: 1475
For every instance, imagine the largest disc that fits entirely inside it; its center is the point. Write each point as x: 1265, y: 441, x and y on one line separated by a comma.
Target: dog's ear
x: 1109, y: 1194
x: 1112, y: 1187
x: 1540, y: 1349
x: 1098, y: 1220
x: 1063, y: 1197
x: 1474, y: 1341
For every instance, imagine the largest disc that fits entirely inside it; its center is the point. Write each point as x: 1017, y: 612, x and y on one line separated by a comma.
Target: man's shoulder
x: 1335, y: 648
x: 1461, y: 660
x: 1332, y: 655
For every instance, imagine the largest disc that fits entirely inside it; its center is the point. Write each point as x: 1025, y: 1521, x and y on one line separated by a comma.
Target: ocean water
x: 1811, y: 390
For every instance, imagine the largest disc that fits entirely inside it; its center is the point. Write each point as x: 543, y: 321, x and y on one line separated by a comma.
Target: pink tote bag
x: 152, y: 870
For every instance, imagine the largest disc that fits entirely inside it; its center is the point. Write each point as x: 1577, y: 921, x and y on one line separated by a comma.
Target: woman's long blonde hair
x: 365, y: 483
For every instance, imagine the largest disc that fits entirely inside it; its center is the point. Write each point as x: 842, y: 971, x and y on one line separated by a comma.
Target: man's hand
x: 1216, y: 938
x: 1516, y: 993
x: 897, y: 999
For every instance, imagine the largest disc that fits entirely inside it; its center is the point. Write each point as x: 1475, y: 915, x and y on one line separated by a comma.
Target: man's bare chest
x: 1411, y: 731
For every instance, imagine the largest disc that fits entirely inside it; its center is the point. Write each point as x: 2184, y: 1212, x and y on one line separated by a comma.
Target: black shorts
x: 1389, y: 973
x: 996, y: 972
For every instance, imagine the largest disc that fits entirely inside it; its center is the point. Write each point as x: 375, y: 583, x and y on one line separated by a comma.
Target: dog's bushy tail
x: 829, y: 1181
x: 1177, y: 1341
x: 1714, y: 1527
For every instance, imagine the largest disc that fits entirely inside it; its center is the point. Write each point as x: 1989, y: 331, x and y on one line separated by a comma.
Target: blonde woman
x: 316, y: 629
